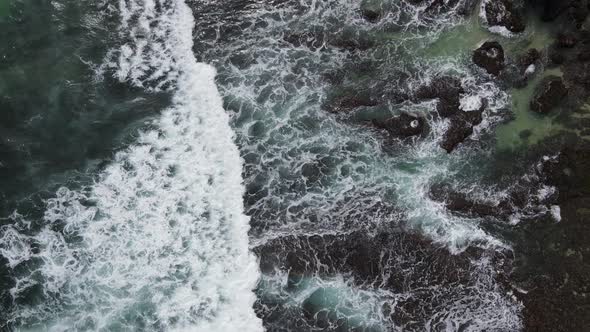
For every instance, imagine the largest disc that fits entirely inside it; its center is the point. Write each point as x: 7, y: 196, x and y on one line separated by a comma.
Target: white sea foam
x: 530, y: 70
x: 159, y: 242
x: 556, y: 212
x: 496, y: 29
x: 471, y: 103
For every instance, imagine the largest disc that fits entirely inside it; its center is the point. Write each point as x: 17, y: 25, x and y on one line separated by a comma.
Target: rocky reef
x: 551, y: 274
x: 540, y: 190
x: 405, y: 266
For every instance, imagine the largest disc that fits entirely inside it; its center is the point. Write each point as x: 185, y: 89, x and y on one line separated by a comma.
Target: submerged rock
x: 504, y: 13
x: 460, y: 202
x: 371, y: 10
x: 403, y: 125
x: 447, y: 90
x: 349, y: 100
x: 551, y: 9
x: 548, y: 95
x: 530, y: 57
x: 566, y: 40
x: 490, y: 56
x: 430, y: 278
x: 554, y: 269
x: 556, y: 56
x: 524, y: 66
x: 313, y: 39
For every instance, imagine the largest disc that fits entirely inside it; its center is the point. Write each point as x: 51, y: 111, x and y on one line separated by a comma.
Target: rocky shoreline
x: 548, y: 190
x: 551, y: 275
x: 551, y: 257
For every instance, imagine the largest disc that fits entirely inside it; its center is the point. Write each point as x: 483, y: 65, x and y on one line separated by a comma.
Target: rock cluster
x: 490, y: 56
x: 448, y: 90
x: 549, y: 94
x: 504, y: 13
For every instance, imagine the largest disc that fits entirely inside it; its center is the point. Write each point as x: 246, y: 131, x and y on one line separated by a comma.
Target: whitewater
x: 159, y: 241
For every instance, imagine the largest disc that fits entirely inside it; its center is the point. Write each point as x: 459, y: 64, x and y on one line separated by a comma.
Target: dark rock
x: 402, y: 126
x: 553, y: 265
x: 490, y: 56
x: 548, y: 95
x: 372, y: 10
x: 525, y: 134
x: 447, y: 90
x: 551, y: 9
x: 394, y: 261
x: 529, y: 58
x: 566, y: 40
x: 579, y: 12
x: 312, y: 39
x: 349, y: 100
x: 467, y: 7
x: 578, y: 76
x: 504, y: 13
x: 440, y: 6
x: 460, y: 129
x: 584, y: 53
x: 556, y: 56
x: 371, y: 14
x: 459, y: 202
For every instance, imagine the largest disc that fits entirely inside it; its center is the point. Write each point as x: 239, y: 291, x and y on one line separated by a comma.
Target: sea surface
x: 170, y: 165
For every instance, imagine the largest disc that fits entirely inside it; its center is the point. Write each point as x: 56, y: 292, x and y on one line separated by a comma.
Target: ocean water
x: 158, y: 240
x: 170, y: 165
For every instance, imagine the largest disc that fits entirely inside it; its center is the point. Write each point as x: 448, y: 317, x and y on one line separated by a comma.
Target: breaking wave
x: 159, y: 242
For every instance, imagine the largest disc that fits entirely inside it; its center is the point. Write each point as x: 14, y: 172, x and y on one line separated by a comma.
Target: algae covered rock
x: 548, y: 95
x: 490, y: 56
x: 504, y: 13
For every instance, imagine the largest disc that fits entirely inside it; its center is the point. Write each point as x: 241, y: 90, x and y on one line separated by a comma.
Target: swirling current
x: 205, y: 165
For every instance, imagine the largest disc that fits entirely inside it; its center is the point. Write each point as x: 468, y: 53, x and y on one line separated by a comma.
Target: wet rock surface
x: 550, y: 254
x: 460, y: 128
x: 460, y: 202
x: 505, y: 13
x: 350, y: 100
x: 447, y: 90
x: 403, y: 126
x: 422, y: 277
x: 548, y: 95
x: 529, y: 197
x: 490, y: 56
x: 551, y: 265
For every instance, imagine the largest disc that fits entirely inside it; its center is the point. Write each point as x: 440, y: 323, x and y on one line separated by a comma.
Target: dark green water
x: 59, y: 118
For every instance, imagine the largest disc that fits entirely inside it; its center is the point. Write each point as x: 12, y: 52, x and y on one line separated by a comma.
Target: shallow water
x: 527, y: 128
